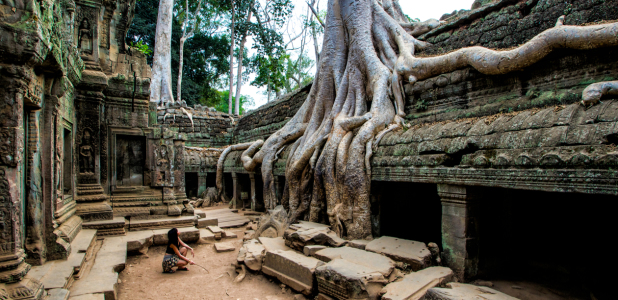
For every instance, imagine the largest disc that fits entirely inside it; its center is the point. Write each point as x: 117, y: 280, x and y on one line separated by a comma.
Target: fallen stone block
x: 206, y: 236
x: 218, y: 232
x: 186, y: 234
x: 358, y: 244
x: 205, y: 222
x: 272, y: 244
x: 415, y: 254
x: 224, y: 247
x: 297, y: 236
x: 457, y: 291
x: 139, y: 241
x: 372, y: 261
x: 200, y: 213
x: 229, y: 235
x: 342, y: 279
x: 252, y: 254
x: 249, y: 235
x: 415, y: 285
x: 292, y: 268
x: 311, y: 250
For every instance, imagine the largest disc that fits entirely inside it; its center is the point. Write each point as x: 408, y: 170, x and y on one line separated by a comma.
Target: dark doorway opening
x: 259, y: 193
x: 211, y: 180
x: 409, y: 211
x: 228, y: 185
x: 67, y: 163
x: 191, y: 184
x: 554, y: 240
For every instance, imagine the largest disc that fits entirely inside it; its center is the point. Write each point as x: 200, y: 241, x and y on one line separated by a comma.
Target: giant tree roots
x: 357, y: 97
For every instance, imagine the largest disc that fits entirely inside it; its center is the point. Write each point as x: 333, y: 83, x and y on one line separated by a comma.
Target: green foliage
x: 141, y: 47
x: 222, y: 103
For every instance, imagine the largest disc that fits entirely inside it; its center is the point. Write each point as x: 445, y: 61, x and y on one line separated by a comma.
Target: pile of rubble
x: 312, y: 260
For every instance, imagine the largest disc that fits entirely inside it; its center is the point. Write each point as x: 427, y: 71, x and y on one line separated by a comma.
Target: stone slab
x: 272, y: 244
x: 228, y: 234
x: 186, y: 234
x: 57, y: 294
x: 205, y: 222
x: 103, y: 277
x: 107, y: 227
x: 215, y: 229
x: 343, y: 279
x: 358, y: 244
x: 171, y: 222
x: 416, y: 284
x: 370, y: 260
x: 457, y: 291
x: 206, y: 236
x: 200, y: 213
x: 292, y: 268
x: 224, y: 247
x: 311, y: 250
x: 414, y: 253
x: 57, y: 274
x: 89, y: 297
x: 139, y: 241
x: 251, y: 254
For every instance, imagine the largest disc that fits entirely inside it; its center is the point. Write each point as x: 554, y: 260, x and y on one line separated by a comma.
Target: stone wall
x: 205, y: 128
x: 267, y: 119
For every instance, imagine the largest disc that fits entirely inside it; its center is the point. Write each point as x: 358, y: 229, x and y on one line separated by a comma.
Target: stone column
x: 201, y: 183
x: 252, y: 192
x: 277, y: 189
x: 91, y: 198
x: 236, y: 195
x: 460, y: 230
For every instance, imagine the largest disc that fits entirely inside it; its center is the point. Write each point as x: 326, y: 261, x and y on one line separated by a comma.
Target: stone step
x: 415, y: 285
x: 59, y: 274
x: 102, y: 278
x: 169, y: 222
x: 116, y: 226
x: 89, y: 297
x: 140, y: 241
x: 57, y: 294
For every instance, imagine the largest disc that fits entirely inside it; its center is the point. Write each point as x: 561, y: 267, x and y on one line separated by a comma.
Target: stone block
x: 187, y: 235
x: 343, y: 279
x: 312, y: 249
x: 457, y: 291
x: 358, y: 244
x: 57, y: 294
x: 370, y: 260
x: 205, y: 222
x: 218, y: 232
x: 206, y: 236
x: 224, y: 247
x: 139, y: 241
x: 200, y: 213
x: 297, y: 236
x: 416, y: 254
x: 292, y: 268
x: 89, y: 297
x: 251, y: 254
x: 230, y: 235
x: 272, y: 244
x: 415, y: 285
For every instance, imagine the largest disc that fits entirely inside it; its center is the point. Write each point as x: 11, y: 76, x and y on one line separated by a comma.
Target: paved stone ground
x: 143, y: 278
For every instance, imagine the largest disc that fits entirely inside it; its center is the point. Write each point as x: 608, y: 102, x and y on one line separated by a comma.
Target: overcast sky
x: 422, y: 9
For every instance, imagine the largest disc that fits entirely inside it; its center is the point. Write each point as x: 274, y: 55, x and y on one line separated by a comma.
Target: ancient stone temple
x: 484, y: 173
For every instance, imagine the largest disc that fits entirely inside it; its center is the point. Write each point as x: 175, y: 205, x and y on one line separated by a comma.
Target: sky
x: 421, y: 9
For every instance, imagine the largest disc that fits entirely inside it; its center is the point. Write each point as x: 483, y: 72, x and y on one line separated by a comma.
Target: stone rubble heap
x: 312, y: 260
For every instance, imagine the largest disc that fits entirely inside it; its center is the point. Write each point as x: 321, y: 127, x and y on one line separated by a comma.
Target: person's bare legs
x: 181, y: 262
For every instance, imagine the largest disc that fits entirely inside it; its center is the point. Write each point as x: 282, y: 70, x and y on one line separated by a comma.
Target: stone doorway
x: 191, y: 184
x: 67, y: 163
x: 409, y: 211
x: 130, y: 160
x: 545, y: 239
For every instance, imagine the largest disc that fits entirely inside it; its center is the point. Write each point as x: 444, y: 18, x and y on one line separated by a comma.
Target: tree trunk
x: 180, y: 65
x: 239, y: 72
x: 231, y: 95
x: 368, y: 53
x: 161, y: 82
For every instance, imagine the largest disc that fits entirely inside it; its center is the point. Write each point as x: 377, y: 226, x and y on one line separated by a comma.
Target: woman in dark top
x: 175, y: 253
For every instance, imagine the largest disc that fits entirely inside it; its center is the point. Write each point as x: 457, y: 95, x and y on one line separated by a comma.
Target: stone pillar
x: 236, y: 195
x: 201, y: 183
x: 460, y: 230
x: 14, y: 281
x: 91, y: 198
x: 277, y: 193
x: 252, y: 192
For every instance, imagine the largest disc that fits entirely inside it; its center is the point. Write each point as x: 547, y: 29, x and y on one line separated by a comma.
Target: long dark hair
x: 172, y: 237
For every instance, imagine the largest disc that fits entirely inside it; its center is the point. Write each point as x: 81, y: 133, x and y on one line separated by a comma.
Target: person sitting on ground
x: 175, y: 255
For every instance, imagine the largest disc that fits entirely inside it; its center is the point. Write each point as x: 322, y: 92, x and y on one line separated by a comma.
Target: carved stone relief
x: 6, y: 216
x: 86, y: 153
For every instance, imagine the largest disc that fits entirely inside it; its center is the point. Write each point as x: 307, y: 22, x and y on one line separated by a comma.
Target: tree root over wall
x: 357, y: 94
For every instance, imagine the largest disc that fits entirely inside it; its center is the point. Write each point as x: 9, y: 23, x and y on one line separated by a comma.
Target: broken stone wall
x: 203, y: 126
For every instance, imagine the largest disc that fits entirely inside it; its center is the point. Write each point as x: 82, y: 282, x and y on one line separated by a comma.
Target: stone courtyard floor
x: 142, y: 279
